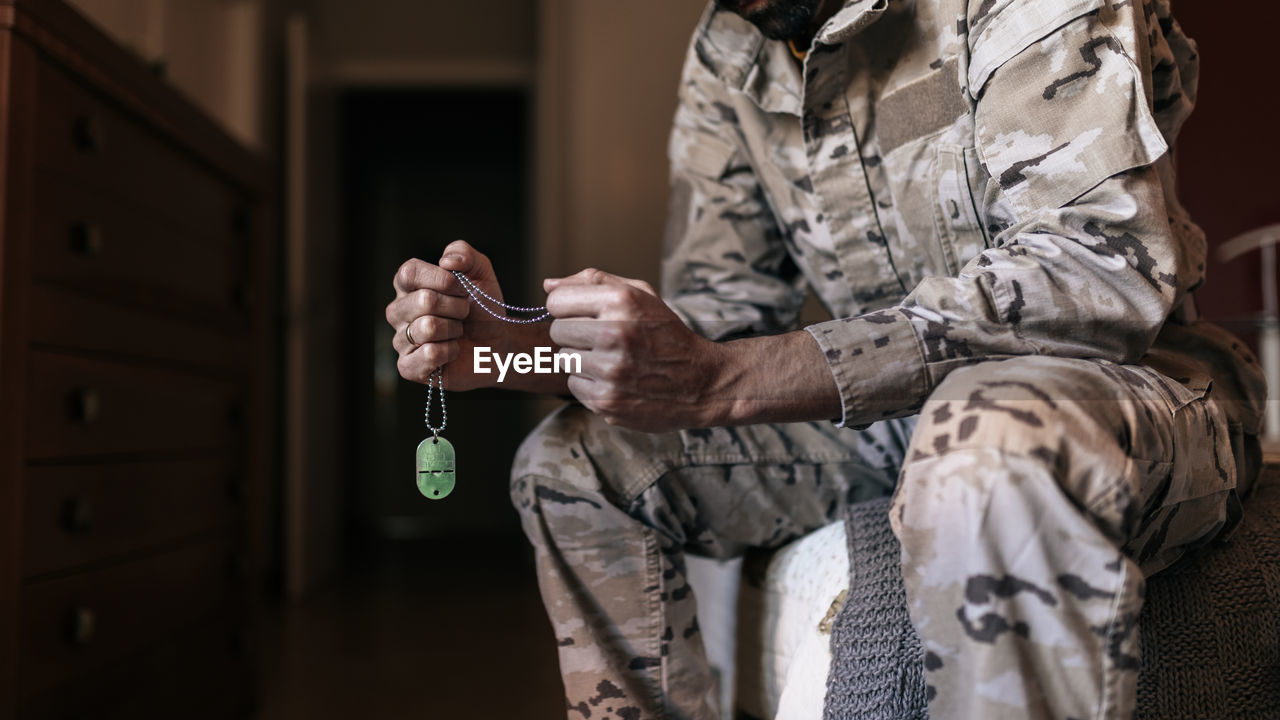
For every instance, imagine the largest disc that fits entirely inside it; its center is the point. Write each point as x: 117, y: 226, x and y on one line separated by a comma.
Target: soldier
x: 982, y: 193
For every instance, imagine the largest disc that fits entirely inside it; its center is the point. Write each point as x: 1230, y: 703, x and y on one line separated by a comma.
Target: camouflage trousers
x: 1032, y: 498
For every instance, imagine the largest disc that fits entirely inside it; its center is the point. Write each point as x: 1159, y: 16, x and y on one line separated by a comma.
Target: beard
x: 776, y: 19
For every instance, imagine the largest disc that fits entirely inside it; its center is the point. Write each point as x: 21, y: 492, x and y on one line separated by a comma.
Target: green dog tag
x: 435, y: 468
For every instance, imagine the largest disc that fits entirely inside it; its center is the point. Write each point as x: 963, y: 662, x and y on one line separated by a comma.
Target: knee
x: 1037, y: 408
x: 1040, y: 434
x: 574, y: 452
x: 553, y: 454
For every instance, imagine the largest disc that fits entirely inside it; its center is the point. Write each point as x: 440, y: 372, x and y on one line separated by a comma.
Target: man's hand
x: 431, y: 302
x: 642, y: 368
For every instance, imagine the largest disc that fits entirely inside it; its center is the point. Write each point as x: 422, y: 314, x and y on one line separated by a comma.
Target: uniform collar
x: 743, y: 59
x: 852, y: 19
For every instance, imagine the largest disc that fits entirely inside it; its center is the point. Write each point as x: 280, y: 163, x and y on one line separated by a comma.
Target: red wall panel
x: 1229, y: 152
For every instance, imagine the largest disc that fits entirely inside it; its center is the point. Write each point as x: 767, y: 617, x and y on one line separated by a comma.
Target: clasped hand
x: 642, y: 368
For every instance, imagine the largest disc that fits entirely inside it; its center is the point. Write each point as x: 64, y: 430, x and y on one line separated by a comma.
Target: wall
x: 608, y: 78
x: 1229, y: 151
x: 410, y: 41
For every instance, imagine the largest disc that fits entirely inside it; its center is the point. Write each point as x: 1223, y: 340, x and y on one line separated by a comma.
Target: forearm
x: 770, y: 379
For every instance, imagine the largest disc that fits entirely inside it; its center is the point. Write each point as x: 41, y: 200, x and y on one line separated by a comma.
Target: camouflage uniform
x: 982, y: 194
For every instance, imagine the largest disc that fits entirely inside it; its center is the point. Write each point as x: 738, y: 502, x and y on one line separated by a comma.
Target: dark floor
x: 416, y: 631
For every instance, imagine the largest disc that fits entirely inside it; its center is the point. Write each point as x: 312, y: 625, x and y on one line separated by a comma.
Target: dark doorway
x: 436, y: 598
x: 421, y: 168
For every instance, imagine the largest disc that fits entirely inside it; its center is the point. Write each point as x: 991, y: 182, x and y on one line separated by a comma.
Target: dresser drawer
x: 79, y: 514
x: 199, y: 673
x: 78, y: 407
x: 64, y: 319
x: 126, y: 253
x: 74, y: 625
x: 84, y: 138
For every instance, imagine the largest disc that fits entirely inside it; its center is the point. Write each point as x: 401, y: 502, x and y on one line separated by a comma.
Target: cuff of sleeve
x: 877, y: 363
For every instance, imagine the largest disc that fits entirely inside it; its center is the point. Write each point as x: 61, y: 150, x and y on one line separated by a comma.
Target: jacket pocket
x: 955, y: 213
x: 1064, y: 115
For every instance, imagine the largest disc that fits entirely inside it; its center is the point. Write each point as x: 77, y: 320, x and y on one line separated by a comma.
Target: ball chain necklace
x: 436, y: 462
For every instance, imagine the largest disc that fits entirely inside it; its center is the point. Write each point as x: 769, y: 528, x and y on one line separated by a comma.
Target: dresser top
x: 64, y: 37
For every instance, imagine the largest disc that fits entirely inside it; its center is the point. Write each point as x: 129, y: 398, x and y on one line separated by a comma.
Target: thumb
x: 460, y: 256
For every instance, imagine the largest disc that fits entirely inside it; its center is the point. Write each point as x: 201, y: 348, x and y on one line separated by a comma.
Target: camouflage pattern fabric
x: 956, y: 181
x: 611, y: 512
x: 982, y: 194
x: 1038, y: 494
x: 1035, y: 495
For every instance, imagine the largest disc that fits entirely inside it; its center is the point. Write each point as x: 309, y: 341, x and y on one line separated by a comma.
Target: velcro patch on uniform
x: 920, y: 108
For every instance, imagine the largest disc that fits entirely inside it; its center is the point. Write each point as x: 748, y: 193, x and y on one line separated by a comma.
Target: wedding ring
x: 408, y: 333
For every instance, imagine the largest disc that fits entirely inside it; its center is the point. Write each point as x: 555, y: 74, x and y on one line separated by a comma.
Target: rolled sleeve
x: 877, y: 363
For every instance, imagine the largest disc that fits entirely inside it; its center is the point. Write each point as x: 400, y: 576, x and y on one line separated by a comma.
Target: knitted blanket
x: 876, y: 666
x: 1210, y: 627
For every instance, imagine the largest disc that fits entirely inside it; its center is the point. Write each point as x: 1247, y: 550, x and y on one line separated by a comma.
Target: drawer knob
x: 87, y: 133
x: 84, y: 406
x: 86, y: 239
x: 81, y: 626
x: 77, y: 516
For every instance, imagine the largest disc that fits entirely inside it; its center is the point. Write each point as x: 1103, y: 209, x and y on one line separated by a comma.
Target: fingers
x: 418, y: 303
x: 601, y: 397
x: 574, y: 333
x: 416, y: 274
x: 591, y: 334
x: 592, y: 276
x: 587, y: 276
x: 584, y: 389
x: 417, y: 366
x: 461, y: 257
x: 594, y: 301
x: 426, y: 329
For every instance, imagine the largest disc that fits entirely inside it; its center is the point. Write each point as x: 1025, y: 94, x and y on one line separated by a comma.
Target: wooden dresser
x: 134, y: 354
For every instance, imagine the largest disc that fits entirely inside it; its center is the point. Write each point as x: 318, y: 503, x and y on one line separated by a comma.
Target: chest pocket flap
x: 1066, y: 113
x: 1000, y: 29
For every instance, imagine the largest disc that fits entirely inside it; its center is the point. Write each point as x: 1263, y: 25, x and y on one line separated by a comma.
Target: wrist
x: 777, y: 378
x: 722, y: 402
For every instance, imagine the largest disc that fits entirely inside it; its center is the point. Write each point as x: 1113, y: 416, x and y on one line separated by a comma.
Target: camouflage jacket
x: 958, y: 181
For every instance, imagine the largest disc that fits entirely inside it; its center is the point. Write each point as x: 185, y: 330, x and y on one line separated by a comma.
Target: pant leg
x: 1037, y: 494
x: 611, y: 512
